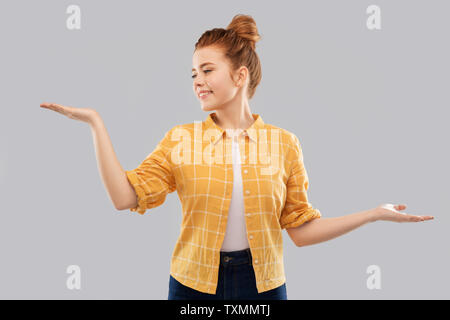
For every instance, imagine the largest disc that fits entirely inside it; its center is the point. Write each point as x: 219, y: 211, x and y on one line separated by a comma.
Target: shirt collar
x: 251, y: 131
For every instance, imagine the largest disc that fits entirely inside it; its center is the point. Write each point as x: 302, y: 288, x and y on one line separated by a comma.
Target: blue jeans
x: 236, y: 282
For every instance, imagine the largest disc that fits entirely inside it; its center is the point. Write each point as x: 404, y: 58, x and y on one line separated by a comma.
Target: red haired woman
x: 240, y: 180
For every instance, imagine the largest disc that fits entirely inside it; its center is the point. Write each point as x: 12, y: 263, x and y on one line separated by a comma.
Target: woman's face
x: 214, y: 76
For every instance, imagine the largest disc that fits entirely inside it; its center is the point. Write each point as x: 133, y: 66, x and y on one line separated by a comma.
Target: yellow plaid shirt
x: 196, y: 160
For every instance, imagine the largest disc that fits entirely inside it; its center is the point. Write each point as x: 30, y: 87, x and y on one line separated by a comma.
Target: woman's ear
x: 242, y: 76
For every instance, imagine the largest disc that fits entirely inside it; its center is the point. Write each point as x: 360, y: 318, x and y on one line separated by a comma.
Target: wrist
x: 94, y: 119
x: 373, y: 215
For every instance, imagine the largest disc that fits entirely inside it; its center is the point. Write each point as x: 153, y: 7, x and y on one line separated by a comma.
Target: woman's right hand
x: 390, y: 212
x: 82, y: 114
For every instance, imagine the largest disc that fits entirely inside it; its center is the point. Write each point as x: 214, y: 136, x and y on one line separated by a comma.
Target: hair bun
x: 245, y: 27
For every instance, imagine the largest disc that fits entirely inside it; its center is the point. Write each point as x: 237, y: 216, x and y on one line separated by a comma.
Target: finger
x: 424, y: 218
x: 45, y: 105
x: 57, y: 107
x: 51, y: 106
x: 413, y: 218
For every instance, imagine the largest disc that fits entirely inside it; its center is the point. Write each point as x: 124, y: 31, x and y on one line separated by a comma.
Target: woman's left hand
x: 390, y: 212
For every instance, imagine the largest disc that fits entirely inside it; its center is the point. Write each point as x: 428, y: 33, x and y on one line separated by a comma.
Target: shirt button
x: 251, y: 236
x: 256, y: 261
x: 247, y: 191
x: 245, y: 171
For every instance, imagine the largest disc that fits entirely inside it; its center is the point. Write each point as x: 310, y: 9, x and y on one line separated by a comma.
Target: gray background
x: 369, y: 108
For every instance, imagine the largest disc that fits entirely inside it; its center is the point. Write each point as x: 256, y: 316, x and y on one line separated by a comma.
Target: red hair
x: 238, y: 41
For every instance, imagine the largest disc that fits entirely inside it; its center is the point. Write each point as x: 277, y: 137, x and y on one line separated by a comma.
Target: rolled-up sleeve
x: 153, y: 179
x: 297, y: 210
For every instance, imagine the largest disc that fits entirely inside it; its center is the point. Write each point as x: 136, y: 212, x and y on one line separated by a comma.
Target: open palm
x: 390, y: 212
x: 81, y: 114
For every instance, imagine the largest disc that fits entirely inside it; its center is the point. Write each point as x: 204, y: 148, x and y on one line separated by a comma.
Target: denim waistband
x: 236, y: 257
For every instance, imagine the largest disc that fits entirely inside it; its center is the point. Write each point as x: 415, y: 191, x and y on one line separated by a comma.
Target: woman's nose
x: 198, y: 83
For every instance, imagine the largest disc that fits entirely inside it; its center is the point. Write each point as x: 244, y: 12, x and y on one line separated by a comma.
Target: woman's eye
x: 203, y: 71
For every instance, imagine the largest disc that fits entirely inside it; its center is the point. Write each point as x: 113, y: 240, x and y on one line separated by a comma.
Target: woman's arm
x: 119, y: 189
x: 324, y: 229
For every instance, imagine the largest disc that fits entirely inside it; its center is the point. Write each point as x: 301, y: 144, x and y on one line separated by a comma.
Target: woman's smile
x: 205, y: 95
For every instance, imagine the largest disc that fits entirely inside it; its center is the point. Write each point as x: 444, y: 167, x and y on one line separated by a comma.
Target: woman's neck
x: 234, y: 118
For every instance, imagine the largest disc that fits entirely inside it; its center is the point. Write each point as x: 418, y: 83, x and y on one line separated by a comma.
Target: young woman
x: 240, y: 180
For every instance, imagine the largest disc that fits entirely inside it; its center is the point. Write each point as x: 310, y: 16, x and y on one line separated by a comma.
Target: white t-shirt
x: 236, y: 233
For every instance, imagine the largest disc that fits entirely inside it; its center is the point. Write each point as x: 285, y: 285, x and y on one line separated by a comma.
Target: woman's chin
x: 208, y: 107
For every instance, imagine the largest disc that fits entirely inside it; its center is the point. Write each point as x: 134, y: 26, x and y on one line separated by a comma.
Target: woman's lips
x: 205, y: 95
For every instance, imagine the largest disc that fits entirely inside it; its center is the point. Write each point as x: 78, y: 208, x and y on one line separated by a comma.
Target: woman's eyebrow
x: 203, y: 64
